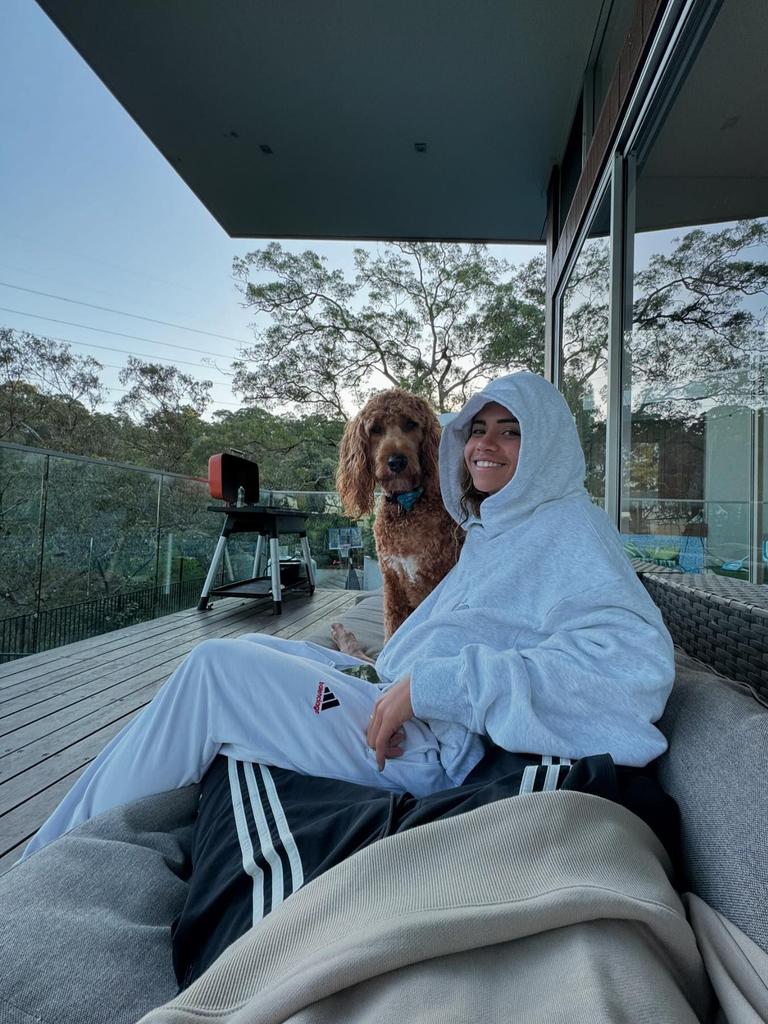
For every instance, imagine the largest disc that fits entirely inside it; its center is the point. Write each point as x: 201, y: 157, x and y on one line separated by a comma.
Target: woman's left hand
x: 384, y: 729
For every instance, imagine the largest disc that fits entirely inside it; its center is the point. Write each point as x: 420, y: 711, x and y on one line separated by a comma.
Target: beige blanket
x: 546, y: 907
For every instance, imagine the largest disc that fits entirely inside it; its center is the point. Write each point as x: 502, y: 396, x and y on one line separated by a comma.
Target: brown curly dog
x: 392, y: 443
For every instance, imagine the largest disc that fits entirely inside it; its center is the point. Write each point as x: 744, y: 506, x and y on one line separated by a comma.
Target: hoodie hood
x: 551, y: 463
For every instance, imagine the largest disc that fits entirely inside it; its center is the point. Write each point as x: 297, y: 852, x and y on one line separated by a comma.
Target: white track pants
x: 257, y: 698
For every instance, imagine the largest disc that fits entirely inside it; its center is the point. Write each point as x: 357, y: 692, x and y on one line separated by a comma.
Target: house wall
x: 657, y: 285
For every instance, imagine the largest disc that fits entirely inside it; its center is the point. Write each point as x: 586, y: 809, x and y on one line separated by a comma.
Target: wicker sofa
x: 722, y: 622
x: 85, y: 924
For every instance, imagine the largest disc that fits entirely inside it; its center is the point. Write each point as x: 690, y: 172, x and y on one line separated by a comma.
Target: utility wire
x: 128, y: 352
x: 214, y: 401
x: 120, y: 312
x: 213, y: 383
x: 99, y: 261
x: 103, y: 330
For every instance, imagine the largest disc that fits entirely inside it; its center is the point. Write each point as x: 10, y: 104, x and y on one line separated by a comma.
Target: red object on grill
x: 227, y: 473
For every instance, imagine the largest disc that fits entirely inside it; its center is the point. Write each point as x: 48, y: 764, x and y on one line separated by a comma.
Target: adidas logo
x: 325, y: 699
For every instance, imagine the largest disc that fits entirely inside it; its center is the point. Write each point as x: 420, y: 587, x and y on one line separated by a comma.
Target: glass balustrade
x: 88, y: 546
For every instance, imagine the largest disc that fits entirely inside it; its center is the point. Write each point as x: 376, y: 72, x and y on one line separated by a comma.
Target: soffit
x: 341, y: 90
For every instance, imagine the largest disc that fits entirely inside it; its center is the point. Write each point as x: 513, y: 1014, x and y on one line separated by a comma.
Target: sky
x: 91, y: 213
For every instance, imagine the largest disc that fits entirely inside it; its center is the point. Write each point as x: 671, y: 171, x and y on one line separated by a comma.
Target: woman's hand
x: 385, y: 732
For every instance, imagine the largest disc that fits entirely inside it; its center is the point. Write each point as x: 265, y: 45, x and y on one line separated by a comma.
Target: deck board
x: 59, y: 708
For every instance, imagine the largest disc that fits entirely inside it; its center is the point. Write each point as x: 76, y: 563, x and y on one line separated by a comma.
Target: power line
x: 141, y: 355
x: 214, y: 401
x: 99, y: 261
x: 127, y: 351
x: 121, y: 312
x: 213, y: 383
x: 117, y: 334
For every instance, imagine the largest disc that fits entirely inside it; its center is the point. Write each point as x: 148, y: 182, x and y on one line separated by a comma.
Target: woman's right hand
x: 385, y: 729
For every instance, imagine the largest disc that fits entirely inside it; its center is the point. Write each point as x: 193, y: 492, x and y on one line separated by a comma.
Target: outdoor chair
x: 108, y: 892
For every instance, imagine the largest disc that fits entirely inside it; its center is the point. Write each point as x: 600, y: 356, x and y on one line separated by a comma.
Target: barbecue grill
x: 234, y: 479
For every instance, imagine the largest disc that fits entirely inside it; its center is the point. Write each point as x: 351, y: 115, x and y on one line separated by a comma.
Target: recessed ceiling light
x: 267, y: 150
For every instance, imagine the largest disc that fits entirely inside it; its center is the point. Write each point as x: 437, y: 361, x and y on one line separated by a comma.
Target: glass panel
x: 696, y: 352
x: 333, y: 572
x: 21, y: 489
x: 100, y: 544
x: 108, y: 561
x: 188, y: 535
x: 584, y: 352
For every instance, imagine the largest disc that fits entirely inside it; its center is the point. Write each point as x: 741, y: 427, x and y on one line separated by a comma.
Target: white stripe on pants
x: 257, y: 698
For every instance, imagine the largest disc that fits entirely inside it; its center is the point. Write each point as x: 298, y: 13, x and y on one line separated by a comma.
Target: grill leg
x: 274, y: 551
x: 308, y: 562
x: 258, y: 557
x: 202, y: 604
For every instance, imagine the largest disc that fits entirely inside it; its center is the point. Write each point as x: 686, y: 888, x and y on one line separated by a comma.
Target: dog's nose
x: 397, y: 463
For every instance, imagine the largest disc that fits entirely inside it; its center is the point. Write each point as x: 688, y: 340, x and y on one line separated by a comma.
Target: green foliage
x: 435, y: 319
x: 293, y: 453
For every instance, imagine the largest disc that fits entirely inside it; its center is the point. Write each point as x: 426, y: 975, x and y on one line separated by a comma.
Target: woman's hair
x: 470, y: 499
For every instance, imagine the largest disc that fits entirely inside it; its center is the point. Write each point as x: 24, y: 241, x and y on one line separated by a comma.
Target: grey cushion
x: 365, y: 619
x: 716, y: 768
x: 85, y: 922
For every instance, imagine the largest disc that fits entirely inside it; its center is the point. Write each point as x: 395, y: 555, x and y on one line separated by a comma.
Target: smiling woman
x: 493, y: 448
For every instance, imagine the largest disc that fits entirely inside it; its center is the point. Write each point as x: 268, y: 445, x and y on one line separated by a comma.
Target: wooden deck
x: 59, y: 708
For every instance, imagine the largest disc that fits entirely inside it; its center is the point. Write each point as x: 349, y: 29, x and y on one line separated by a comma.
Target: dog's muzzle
x: 397, y: 463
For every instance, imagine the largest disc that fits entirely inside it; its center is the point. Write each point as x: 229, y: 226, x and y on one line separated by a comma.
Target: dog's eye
x: 376, y: 429
x: 411, y: 425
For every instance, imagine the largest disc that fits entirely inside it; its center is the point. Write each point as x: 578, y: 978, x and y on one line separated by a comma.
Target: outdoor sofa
x: 544, y: 907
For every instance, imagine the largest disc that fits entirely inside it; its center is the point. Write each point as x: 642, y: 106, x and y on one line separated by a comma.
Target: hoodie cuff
x: 438, y: 692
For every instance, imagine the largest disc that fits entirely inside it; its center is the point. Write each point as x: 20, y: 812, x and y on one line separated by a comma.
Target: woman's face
x: 493, y: 448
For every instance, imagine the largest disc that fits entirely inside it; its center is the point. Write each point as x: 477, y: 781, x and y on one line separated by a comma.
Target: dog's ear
x: 354, y: 477
x: 429, y: 448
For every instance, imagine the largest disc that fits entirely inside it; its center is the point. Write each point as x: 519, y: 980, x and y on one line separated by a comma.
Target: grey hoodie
x: 541, y: 637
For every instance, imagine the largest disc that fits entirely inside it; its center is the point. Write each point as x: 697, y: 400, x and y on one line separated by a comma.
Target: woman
x: 541, y: 639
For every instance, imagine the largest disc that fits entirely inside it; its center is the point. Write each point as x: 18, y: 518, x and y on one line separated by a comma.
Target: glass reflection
x: 584, y: 347
x: 695, y: 354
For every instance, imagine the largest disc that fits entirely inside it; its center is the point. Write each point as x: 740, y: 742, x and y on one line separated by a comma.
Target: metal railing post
x: 157, y: 543
x: 40, y: 553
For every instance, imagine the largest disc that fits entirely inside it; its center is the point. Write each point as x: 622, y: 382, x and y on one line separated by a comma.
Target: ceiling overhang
x: 349, y: 119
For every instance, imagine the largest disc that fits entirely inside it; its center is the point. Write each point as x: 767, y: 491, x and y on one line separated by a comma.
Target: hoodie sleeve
x: 594, y: 685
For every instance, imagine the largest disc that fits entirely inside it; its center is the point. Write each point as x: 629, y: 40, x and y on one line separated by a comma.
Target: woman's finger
x: 384, y: 738
x: 374, y: 724
x: 395, y: 751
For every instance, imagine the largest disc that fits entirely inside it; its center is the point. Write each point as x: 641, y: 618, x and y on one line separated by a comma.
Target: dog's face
x: 394, y: 444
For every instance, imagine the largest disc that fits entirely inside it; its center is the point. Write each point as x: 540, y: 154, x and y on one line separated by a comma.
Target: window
x: 695, y: 356
x: 584, y: 345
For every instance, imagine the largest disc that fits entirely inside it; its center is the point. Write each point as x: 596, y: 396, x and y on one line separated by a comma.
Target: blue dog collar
x: 409, y: 499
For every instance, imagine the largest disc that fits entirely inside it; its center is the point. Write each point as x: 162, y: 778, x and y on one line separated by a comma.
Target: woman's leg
x: 256, y: 702
x: 306, y: 649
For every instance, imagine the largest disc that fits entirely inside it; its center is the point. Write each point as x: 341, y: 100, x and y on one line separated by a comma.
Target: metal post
x: 41, y: 552
x: 157, y: 543
x: 308, y: 561
x: 615, y: 336
x: 90, y: 559
x: 757, y: 567
x: 257, y: 558
x: 274, y: 552
x: 168, y: 562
